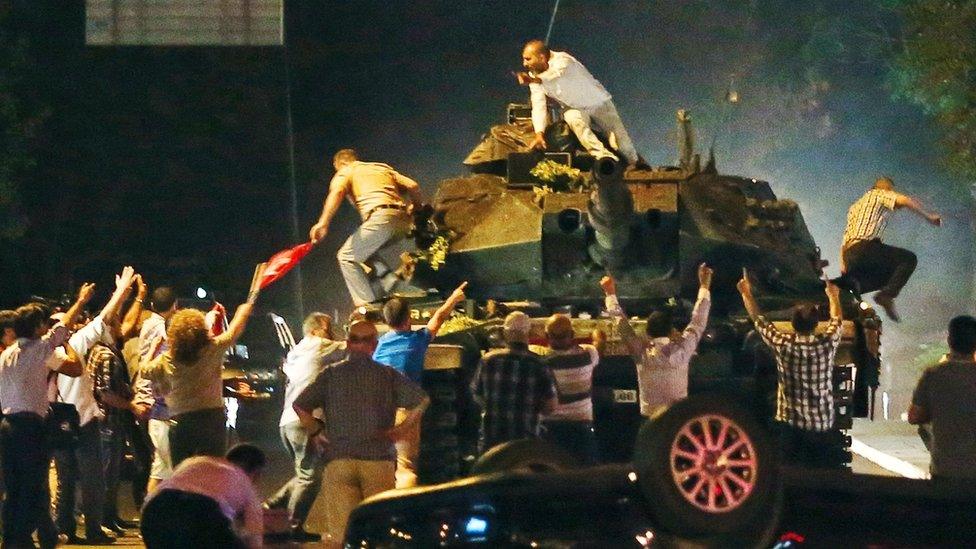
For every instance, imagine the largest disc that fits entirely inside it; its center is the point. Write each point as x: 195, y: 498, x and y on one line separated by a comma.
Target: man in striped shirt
x: 570, y: 424
x: 804, y: 366
x: 866, y: 263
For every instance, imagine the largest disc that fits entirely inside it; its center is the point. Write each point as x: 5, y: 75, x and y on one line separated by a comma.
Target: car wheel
x: 707, y: 467
x: 526, y: 455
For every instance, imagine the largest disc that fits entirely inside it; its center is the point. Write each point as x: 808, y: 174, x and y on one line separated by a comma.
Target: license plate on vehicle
x: 624, y: 396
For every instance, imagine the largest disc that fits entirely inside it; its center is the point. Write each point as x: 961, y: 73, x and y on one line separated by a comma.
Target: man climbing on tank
x: 559, y: 75
x: 375, y: 189
x: 867, y: 264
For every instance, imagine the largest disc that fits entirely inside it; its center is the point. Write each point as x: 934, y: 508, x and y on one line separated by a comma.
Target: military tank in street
x: 535, y: 231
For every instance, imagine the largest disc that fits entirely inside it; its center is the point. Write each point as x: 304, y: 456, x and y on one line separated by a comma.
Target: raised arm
x: 84, y: 296
x: 131, y: 319
x: 635, y: 343
x: 236, y: 326
x: 905, y: 201
x: 745, y: 289
x: 123, y: 285
x: 833, y: 297
x: 337, y: 191
x: 699, y: 315
x: 444, y: 311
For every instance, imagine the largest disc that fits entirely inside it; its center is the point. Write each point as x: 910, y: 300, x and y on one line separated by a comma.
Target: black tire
x: 526, y: 455
x: 708, y: 500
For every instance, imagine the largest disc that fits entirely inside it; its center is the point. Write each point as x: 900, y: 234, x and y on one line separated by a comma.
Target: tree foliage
x: 936, y: 69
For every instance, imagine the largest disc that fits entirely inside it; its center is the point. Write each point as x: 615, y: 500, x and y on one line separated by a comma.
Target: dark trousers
x: 811, y: 448
x: 576, y: 437
x: 113, y: 447
x: 299, y: 493
x: 25, y: 461
x: 198, y: 433
x: 174, y: 519
x: 81, y: 465
x: 877, y: 266
x: 142, y: 455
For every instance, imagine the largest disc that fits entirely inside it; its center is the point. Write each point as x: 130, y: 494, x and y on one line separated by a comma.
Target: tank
x: 536, y: 231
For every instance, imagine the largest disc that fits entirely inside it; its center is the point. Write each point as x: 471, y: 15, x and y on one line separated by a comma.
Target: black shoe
x: 888, y: 304
x: 114, y: 526
x: 98, y: 539
x: 125, y: 523
x: 301, y: 536
x: 71, y: 539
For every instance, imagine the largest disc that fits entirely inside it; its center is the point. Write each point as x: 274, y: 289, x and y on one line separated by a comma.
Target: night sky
x: 175, y: 159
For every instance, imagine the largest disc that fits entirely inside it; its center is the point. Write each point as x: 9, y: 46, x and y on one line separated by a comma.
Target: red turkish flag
x: 282, y: 262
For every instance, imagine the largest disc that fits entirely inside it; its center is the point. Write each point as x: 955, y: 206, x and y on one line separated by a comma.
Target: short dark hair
x: 29, y: 318
x: 163, y: 299
x: 962, y: 335
x: 659, y: 324
x: 7, y: 319
x: 248, y: 457
x: 345, y: 155
x: 805, y: 318
x: 396, y: 312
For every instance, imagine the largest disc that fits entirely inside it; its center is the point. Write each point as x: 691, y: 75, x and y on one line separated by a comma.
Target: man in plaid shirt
x: 513, y: 386
x: 804, y: 364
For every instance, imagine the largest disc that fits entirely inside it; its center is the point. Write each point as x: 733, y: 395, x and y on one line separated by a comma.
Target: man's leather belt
x: 385, y: 207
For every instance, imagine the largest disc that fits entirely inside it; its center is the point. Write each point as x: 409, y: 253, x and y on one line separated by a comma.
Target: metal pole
x: 292, y: 187
x: 552, y: 20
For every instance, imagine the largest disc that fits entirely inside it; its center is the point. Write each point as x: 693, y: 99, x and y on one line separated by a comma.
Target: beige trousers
x: 407, y: 451
x: 606, y: 118
x: 347, y: 482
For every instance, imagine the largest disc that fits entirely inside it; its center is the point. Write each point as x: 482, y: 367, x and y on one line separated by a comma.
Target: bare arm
x: 236, y: 326
x: 412, y: 418
x: 72, y: 367
x: 123, y: 284
x: 444, y: 311
x: 748, y: 300
x: 833, y: 297
x: 905, y: 201
x: 131, y: 320
x: 337, y: 191
x: 84, y: 295
x: 411, y: 187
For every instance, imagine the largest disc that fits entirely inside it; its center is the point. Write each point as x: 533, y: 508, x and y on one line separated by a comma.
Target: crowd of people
x: 80, y: 391
x: 150, y: 380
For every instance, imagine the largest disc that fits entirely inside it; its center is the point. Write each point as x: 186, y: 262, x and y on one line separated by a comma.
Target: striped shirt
x: 572, y: 370
x: 513, y: 386
x: 359, y: 398
x: 805, y: 372
x: 662, y: 362
x: 868, y: 217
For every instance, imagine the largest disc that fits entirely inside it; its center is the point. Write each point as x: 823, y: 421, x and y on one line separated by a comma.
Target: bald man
x: 359, y: 398
x: 559, y: 75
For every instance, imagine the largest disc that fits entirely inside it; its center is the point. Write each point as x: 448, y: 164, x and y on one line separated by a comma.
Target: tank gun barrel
x: 610, y: 209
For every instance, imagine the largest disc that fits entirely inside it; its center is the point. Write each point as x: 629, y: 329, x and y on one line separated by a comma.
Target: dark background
x: 175, y: 160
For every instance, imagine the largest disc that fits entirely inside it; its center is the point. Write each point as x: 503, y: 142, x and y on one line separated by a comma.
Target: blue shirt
x: 404, y: 351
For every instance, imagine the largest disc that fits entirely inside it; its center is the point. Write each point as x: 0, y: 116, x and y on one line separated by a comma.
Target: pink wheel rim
x: 714, y: 463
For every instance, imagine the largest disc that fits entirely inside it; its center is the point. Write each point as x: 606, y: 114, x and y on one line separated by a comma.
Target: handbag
x: 63, y: 425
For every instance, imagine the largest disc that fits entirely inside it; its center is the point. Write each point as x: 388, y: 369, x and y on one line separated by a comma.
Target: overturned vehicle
x: 535, y: 231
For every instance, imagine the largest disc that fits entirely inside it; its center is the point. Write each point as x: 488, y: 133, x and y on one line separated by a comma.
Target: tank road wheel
x: 707, y: 467
x: 525, y: 455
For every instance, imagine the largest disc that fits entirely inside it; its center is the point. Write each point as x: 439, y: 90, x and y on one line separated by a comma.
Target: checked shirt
x: 513, y: 386
x: 804, y: 364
